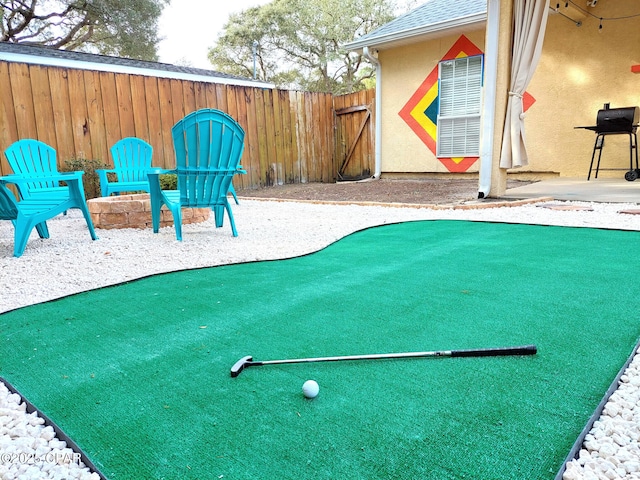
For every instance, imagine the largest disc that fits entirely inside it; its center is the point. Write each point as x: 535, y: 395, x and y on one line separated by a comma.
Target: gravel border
x: 272, y: 230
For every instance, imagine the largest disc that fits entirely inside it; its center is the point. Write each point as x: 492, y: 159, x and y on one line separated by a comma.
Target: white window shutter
x: 460, y: 89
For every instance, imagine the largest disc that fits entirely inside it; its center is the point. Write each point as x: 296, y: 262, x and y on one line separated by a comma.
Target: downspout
x: 489, y: 101
x: 373, y: 58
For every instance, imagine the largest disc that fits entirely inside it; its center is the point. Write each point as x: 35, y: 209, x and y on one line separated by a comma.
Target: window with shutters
x: 459, y: 91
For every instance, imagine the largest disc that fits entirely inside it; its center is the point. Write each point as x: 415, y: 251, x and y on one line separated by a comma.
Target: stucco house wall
x: 582, y: 67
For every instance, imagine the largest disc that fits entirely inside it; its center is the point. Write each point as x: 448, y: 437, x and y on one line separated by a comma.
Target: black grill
x: 616, y: 121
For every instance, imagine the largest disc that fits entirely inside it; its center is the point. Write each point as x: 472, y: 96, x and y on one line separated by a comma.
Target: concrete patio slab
x: 608, y: 190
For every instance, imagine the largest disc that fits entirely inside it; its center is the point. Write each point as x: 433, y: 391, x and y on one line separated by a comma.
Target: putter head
x: 240, y: 364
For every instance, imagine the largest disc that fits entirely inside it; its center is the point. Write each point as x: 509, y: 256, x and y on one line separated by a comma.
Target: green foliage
x: 169, y: 181
x: 90, y: 179
x: 126, y: 28
x: 299, y: 43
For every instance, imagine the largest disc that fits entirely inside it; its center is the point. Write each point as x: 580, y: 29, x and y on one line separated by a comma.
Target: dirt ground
x: 423, y: 191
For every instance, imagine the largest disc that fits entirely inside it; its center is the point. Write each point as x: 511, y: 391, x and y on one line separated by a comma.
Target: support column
x: 505, y: 42
x: 497, y: 67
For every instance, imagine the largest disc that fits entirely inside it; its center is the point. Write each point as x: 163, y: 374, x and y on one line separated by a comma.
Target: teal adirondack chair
x: 33, y: 212
x: 131, y: 162
x: 36, y: 161
x: 208, y: 144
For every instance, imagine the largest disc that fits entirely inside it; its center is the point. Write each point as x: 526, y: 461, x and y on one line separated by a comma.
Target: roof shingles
x: 71, y: 57
x: 430, y: 13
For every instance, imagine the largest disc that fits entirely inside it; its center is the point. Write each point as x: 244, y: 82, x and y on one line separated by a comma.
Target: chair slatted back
x: 33, y: 158
x: 208, y: 145
x: 131, y: 159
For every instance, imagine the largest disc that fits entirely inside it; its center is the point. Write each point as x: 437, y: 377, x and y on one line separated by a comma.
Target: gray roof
x: 432, y: 17
x: 17, y: 52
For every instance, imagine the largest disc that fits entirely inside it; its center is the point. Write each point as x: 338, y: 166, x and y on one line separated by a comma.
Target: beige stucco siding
x: 580, y: 70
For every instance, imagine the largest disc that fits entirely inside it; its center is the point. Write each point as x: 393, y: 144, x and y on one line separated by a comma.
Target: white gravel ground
x: 70, y: 262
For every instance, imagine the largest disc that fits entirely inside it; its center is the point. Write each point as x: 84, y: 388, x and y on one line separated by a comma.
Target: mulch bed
x: 423, y: 191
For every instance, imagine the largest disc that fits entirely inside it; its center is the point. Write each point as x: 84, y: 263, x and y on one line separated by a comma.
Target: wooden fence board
x: 263, y: 152
x: 23, y: 100
x: 279, y: 157
x: 251, y: 156
x: 177, y: 105
x: 309, y: 134
x: 221, y: 97
x: 285, y: 136
x: 232, y: 103
x: 210, y: 93
x: 58, y: 78
x: 303, y: 146
x: 354, y: 127
x: 188, y: 98
x: 95, y: 117
x: 293, y: 131
x: 313, y: 132
x: 113, y: 132
x: 328, y: 172
x: 42, y: 106
x: 363, y: 144
x: 8, y: 128
x: 124, y: 101
x: 272, y: 139
x: 139, y: 107
x: 243, y: 107
x: 200, y: 96
x: 166, y: 123
x: 323, y: 174
x: 291, y: 137
x: 78, y: 110
x: 154, y: 120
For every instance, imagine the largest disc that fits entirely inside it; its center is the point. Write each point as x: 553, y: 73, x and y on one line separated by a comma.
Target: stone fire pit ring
x: 134, y: 211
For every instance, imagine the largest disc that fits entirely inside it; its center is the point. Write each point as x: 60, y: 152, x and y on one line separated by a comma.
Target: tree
x: 299, y: 43
x: 126, y: 28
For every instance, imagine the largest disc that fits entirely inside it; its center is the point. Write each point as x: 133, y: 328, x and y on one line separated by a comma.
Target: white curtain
x: 530, y: 22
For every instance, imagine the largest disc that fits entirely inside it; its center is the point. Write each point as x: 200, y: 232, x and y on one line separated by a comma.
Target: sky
x: 190, y: 27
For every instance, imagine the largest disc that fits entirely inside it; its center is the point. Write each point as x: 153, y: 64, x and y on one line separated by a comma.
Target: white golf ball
x: 310, y: 389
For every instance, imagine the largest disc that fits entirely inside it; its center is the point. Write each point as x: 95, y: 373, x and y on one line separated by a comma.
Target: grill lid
x: 613, y: 120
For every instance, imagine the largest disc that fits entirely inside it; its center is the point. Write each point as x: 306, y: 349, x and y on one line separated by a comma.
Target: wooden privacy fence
x: 291, y: 137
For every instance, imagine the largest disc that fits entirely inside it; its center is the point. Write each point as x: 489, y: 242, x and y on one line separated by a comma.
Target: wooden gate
x: 355, y: 141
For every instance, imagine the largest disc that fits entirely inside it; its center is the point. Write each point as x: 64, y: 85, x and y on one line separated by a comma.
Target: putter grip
x: 496, y: 352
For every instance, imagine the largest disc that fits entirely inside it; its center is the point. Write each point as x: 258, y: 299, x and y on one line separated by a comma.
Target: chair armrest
x: 72, y: 179
x: 155, y: 191
x: 159, y: 171
x: 241, y: 170
x: 102, y: 173
x: 153, y: 174
x: 55, y: 177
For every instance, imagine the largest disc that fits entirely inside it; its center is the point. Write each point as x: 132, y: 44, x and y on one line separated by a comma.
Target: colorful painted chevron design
x: 421, y: 111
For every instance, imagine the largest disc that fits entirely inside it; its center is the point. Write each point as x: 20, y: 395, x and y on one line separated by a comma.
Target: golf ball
x: 310, y: 389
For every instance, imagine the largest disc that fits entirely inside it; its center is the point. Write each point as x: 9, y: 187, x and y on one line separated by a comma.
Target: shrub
x: 169, y: 181
x: 90, y: 180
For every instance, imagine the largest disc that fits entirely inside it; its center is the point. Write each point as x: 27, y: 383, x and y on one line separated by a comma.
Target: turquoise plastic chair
x: 37, y: 162
x: 208, y: 145
x: 131, y: 163
x: 33, y: 212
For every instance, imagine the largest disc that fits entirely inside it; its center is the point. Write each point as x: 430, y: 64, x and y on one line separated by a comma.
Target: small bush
x: 90, y: 180
x: 169, y: 181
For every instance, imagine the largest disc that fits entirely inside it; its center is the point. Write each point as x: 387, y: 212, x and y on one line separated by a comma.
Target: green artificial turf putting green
x: 138, y: 374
